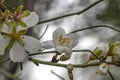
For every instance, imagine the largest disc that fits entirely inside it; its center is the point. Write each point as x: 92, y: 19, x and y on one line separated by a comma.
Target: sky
x: 86, y: 41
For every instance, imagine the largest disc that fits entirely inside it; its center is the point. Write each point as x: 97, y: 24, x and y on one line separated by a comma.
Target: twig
x: 71, y: 14
x: 44, y: 32
x: 57, y: 75
x: 72, y: 51
x: 95, y: 27
x: 65, y: 65
x: 111, y: 75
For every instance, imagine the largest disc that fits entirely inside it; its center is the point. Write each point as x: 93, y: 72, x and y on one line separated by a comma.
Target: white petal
x: 19, y: 28
x: 73, y: 38
x: 65, y: 50
x: 56, y: 35
x: 31, y: 20
x: 17, y: 53
x: 7, y: 29
x: 47, y: 44
x: 32, y: 45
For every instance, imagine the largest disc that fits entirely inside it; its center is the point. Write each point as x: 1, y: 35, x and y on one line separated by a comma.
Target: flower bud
x: 70, y: 69
x: 103, y: 69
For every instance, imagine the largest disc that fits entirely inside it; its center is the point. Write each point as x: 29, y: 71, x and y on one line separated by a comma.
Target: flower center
x: 63, y: 40
x: 16, y: 36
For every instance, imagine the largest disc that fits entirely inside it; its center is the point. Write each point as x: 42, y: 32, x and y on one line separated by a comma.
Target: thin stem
x: 57, y: 75
x: 111, y: 75
x: 87, y: 51
x: 95, y: 27
x: 41, y: 53
x: 72, y: 51
x: 47, y: 62
x: 71, y: 14
x: 44, y: 32
x: 65, y: 65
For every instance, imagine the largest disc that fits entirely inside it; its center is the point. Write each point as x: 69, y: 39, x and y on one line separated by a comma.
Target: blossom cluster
x: 13, y: 41
x: 103, y: 52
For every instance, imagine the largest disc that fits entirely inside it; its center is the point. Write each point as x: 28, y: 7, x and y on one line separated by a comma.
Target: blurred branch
x: 70, y: 14
x: 95, y: 27
x: 65, y: 65
x: 111, y: 75
x: 57, y: 75
x: 43, y: 32
x: 72, y: 51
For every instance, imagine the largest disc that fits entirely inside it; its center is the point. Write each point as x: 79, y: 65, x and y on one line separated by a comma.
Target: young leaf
x: 22, y: 24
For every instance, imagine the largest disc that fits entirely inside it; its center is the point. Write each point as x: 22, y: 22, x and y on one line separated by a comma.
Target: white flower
x: 18, y: 52
x: 103, y: 69
x: 21, y: 44
x: 18, y: 43
x: 30, y: 21
x: 64, y: 42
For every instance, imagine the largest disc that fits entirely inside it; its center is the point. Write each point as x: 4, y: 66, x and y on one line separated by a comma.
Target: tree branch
x: 95, y: 27
x: 65, y: 65
x: 87, y: 50
x: 70, y: 14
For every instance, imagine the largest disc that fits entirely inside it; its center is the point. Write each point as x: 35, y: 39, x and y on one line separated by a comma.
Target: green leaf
x: 14, y: 25
x: 98, y: 52
x: 26, y: 13
x: 1, y: 26
x: 11, y: 43
x: 22, y: 31
x: 21, y: 23
x: 19, y: 9
x: 6, y: 13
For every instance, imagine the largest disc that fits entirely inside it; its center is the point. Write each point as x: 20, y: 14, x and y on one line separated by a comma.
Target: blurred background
x: 106, y: 12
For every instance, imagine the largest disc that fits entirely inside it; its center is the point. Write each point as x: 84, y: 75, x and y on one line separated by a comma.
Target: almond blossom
x: 13, y: 39
x: 64, y: 43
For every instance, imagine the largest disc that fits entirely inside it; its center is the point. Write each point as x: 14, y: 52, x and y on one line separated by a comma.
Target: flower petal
x: 73, y: 40
x: 65, y: 50
x: 31, y: 20
x: 3, y: 44
x: 47, y: 44
x: 18, y: 53
x: 7, y: 29
x: 32, y: 45
x: 56, y: 35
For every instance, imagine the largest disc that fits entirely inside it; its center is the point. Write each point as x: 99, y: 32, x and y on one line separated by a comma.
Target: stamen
x: 64, y: 40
